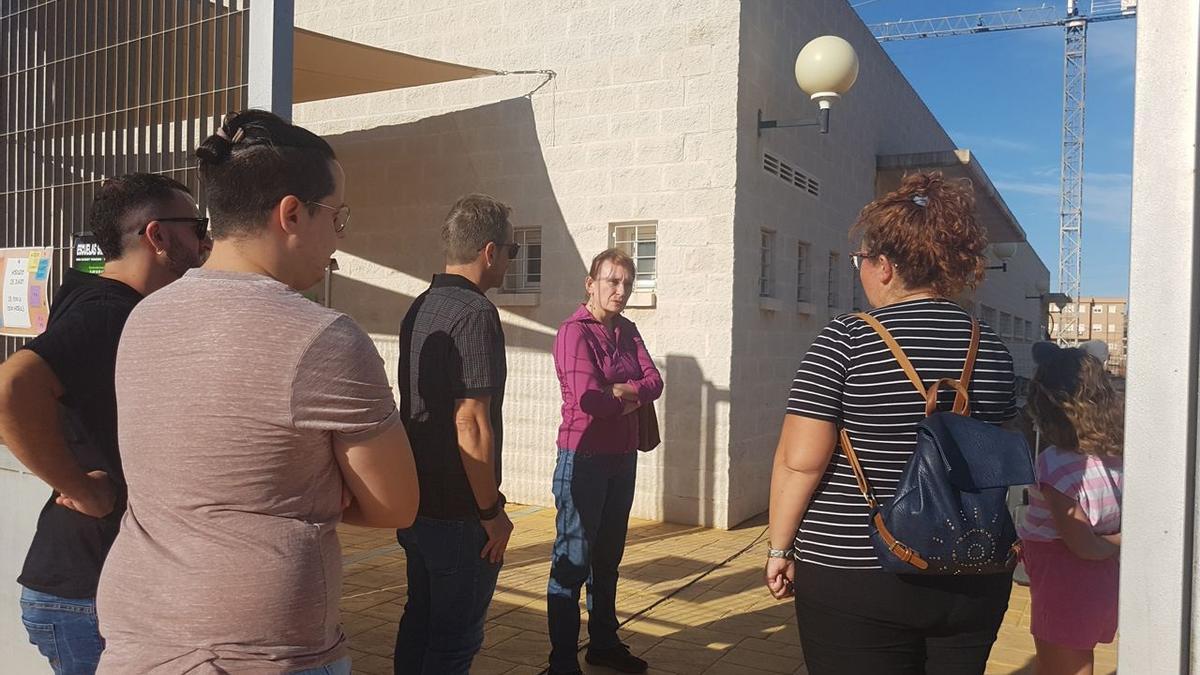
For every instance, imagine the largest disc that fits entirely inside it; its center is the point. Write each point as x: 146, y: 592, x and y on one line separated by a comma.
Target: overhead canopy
x: 324, y: 66
x: 992, y: 212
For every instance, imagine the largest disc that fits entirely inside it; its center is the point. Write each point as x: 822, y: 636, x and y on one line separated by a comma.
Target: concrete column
x: 270, y: 68
x: 1158, y: 565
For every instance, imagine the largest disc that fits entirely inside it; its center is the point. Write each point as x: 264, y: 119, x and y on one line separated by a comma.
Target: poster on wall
x: 85, y: 253
x: 24, y: 290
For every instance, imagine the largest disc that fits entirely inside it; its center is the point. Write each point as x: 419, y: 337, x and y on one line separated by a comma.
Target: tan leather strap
x: 972, y: 352
x: 961, y: 406
x: 863, y: 486
x: 961, y: 398
x: 898, y: 549
x: 897, y: 352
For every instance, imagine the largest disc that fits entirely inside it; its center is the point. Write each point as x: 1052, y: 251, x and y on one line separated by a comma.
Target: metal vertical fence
x: 96, y: 88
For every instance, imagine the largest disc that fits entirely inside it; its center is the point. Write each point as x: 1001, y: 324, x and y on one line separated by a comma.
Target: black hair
x: 120, y: 196
x: 254, y: 160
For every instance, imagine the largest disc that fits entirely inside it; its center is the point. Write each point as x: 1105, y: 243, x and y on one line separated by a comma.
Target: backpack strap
x: 898, y: 549
x: 903, y: 552
x: 961, y: 397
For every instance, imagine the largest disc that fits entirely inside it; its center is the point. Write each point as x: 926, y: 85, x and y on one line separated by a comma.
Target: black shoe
x: 565, y: 672
x: 618, y: 658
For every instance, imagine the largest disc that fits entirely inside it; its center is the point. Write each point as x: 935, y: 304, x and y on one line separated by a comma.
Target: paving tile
x: 724, y: 667
x: 525, y: 648
x: 771, y: 663
x: 722, y: 624
x: 370, y: 664
x: 487, y: 665
x: 675, y: 656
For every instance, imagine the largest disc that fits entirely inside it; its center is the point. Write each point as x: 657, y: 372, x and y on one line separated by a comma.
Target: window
x: 858, y: 297
x: 1029, y: 331
x: 988, y: 314
x: 766, y: 261
x: 640, y: 242
x: 833, y: 280
x: 1098, y: 309
x: 1069, y: 309
x: 1112, y: 327
x: 1005, y: 328
x: 525, y: 271
x: 803, y: 292
x: 1081, y: 328
x: 1097, y: 327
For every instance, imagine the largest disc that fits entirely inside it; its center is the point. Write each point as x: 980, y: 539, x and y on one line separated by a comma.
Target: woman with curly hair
x: 920, y: 247
x: 1072, y: 528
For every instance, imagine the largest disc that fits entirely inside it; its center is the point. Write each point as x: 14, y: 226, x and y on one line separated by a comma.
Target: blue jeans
x: 339, y: 667
x: 64, y: 630
x: 449, y: 590
x: 593, y: 494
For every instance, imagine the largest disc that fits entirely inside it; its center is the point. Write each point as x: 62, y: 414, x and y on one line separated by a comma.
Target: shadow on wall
x: 402, y: 180
x: 689, y: 432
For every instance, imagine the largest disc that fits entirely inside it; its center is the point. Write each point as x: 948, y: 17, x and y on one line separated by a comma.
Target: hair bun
x: 1044, y: 351
x: 214, y: 150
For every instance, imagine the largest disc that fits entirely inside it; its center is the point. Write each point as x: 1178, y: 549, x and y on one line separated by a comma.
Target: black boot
x: 618, y: 658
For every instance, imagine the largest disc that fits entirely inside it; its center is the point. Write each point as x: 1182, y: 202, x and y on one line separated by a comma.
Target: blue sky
x: 1000, y: 94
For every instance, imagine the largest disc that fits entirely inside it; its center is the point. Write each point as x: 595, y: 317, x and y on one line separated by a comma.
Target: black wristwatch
x: 495, y: 509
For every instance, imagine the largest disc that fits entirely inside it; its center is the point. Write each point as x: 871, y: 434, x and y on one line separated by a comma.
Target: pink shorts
x: 1074, y: 601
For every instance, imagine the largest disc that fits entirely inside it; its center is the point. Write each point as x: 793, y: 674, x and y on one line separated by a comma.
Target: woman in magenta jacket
x: 605, y: 374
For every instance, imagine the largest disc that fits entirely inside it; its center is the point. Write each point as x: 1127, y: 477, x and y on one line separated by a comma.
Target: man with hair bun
x: 252, y: 421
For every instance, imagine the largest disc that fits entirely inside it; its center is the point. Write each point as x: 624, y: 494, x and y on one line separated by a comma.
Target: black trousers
x: 859, y: 622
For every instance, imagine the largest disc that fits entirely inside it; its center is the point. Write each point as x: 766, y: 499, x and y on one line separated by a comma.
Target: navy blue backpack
x: 950, y: 512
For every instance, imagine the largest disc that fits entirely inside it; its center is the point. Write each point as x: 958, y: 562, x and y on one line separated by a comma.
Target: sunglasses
x: 513, y: 249
x: 200, y: 225
x: 341, y: 215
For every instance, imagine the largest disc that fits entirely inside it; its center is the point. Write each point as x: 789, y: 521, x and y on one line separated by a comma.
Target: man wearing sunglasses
x: 58, y: 406
x: 451, y: 377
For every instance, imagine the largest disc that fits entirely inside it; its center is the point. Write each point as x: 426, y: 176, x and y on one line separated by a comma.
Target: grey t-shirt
x: 230, y: 391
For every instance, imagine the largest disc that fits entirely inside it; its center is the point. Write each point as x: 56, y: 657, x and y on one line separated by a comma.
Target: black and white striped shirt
x: 850, y: 378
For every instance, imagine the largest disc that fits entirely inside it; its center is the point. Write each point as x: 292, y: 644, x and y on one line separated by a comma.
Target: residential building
x: 1099, y: 318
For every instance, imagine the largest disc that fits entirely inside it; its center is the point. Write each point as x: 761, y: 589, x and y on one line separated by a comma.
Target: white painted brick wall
x: 616, y: 136
x: 651, y: 116
x: 881, y: 115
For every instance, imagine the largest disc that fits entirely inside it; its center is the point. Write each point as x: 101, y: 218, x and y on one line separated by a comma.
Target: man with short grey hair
x: 451, y: 377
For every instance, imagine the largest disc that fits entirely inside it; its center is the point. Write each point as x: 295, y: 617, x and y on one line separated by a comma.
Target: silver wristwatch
x: 785, y: 553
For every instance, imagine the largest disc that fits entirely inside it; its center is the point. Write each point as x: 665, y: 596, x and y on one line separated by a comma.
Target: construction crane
x: 1075, y: 23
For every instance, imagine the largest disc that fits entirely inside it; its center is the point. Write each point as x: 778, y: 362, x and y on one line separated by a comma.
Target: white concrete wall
x: 21, y: 498
x: 1013, y: 292
x: 881, y: 115
x: 638, y: 125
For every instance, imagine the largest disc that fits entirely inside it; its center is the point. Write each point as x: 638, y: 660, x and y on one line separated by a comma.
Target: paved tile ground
x: 723, y: 624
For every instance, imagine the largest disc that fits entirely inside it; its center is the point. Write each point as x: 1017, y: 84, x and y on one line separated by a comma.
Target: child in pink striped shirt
x: 1072, y: 528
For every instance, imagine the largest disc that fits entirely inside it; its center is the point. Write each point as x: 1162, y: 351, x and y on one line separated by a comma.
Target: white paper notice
x: 16, y: 293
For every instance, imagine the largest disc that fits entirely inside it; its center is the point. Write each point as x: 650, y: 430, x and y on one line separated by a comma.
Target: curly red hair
x: 927, y: 228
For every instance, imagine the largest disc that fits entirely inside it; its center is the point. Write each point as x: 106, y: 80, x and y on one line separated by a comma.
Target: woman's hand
x: 624, y: 391
x: 780, y: 576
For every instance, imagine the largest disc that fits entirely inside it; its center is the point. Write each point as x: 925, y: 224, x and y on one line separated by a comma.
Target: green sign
x: 85, y: 254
